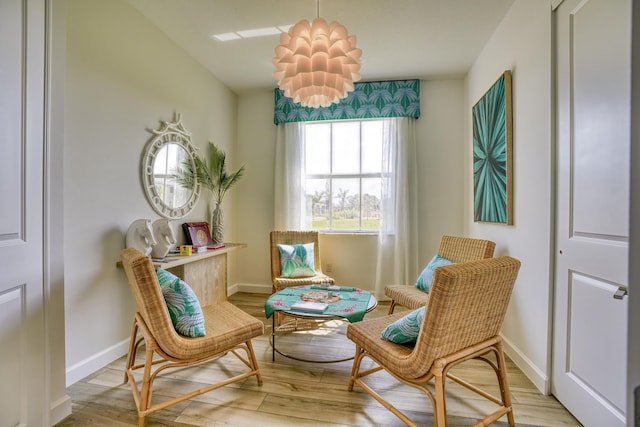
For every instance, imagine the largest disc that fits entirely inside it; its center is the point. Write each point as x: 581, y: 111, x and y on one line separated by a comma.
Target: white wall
x: 522, y: 43
x: 440, y: 152
x: 122, y: 77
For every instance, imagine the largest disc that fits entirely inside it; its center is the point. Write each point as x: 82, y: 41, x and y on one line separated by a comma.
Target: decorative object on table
x: 492, y: 154
x: 197, y: 233
x: 316, y: 62
x: 165, y: 237
x: 211, y: 173
x: 169, y: 147
x: 140, y: 236
x: 310, y: 306
x: 326, y: 297
x: 186, y: 250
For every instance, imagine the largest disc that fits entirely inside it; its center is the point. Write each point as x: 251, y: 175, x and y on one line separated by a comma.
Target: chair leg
x: 392, y: 306
x: 357, y: 359
x: 503, y: 382
x: 146, y: 388
x: 254, y: 362
x: 441, y: 406
x: 131, y: 358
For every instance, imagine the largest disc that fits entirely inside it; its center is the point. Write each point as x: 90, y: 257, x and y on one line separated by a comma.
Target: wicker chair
x: 294, y: 238
x: 461, y: 322
x: 228, y: 330
x: 455, y: 249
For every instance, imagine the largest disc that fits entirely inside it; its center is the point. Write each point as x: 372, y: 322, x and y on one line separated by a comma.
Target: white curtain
x: 397, y: 256
x: 397, y: 240
x: 290, y: 169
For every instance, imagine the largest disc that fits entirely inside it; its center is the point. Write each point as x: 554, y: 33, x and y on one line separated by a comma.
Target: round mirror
x: 169, y: 149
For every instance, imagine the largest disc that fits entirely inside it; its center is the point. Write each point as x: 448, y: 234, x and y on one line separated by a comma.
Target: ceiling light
x: 259, y: 32
x: 225, y: 37
x: 255, y: 32
x: 317, y: 63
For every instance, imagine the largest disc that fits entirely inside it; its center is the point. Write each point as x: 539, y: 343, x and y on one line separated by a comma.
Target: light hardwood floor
x: 298, y: 393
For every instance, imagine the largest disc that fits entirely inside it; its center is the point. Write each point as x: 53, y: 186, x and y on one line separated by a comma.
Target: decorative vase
x: 217, y: 229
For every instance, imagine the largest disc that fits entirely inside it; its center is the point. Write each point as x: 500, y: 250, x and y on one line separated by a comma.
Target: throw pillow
x: 426, y: 277
x: 406, y: 329
x: 182, y: 302
x: 296, y: 260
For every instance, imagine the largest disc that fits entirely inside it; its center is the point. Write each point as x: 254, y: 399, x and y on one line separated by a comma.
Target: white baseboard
x: 537, y: 377
x: 91, y: 364
x: 254, y: 288
x: 60, y: 409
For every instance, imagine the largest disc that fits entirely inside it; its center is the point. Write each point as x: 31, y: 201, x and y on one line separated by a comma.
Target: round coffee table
x: 275, y: 305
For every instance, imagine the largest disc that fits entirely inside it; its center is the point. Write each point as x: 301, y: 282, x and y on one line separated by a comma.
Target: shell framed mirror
x: 168, y: 149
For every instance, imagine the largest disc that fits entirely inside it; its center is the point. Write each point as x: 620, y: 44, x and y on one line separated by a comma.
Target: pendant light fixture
x: 317, y: 63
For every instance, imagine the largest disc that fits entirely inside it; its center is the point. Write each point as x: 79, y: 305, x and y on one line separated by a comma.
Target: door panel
x: 601, y: 118
x: 24, y: 387
x: 593, y: 136
x: 594, y: 317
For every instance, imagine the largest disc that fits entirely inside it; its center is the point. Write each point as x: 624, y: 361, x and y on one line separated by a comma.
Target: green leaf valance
x: 369, y: 100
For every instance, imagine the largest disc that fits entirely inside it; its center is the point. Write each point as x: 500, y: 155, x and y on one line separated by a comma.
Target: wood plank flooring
x: 297, y: 393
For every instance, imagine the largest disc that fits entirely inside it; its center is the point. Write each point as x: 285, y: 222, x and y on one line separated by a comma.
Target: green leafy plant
x: 211, y: 172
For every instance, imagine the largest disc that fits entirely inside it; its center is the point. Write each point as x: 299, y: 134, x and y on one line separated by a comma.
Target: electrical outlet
x: 328, y: 268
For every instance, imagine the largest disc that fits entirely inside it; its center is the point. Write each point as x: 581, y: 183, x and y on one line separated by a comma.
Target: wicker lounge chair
x: 455, y: 249
x: 295, y: 238
x: 462, y: 321
x: 228, y: 330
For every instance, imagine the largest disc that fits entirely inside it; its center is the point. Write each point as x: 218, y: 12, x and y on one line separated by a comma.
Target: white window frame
x: 330, y: 177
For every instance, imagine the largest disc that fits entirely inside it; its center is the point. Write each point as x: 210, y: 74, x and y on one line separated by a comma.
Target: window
x: 343, y: 175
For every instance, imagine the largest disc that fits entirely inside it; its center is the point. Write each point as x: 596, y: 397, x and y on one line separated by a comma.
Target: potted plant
x: 211, y: 172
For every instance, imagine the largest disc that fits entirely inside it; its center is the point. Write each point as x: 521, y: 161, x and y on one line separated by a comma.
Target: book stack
x: 309, y: 306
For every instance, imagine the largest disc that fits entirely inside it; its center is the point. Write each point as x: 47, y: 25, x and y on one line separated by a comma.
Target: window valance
x: 369, y: 100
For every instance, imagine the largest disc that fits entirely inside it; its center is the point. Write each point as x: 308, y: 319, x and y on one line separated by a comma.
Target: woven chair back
x: 149, y: 300
x: 463, y: 249
x: 467, y: 305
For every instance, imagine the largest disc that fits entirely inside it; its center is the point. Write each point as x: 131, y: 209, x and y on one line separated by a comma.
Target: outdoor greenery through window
x: 343, y: 166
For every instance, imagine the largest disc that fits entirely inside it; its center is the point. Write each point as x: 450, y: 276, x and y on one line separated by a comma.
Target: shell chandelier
x: 317, y: 63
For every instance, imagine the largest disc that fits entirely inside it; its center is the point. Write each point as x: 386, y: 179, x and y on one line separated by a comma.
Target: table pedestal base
x: 298, y: 324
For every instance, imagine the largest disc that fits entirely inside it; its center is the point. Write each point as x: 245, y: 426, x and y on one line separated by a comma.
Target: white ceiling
x: 399, y: 38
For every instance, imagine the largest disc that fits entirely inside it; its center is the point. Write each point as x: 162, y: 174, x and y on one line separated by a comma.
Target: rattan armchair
x: 289, y: 237
x: 455, y: 249
x: 228, y: 330
x: 462, y: 322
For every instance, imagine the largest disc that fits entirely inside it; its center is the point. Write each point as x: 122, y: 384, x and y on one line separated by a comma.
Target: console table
x: 205, y: 272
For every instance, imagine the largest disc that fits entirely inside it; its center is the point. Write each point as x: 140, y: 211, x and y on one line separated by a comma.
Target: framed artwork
x: 492, y: 154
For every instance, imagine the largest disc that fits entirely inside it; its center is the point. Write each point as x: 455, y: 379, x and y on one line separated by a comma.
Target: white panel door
x: 23, y: 388
x: 590, y: 311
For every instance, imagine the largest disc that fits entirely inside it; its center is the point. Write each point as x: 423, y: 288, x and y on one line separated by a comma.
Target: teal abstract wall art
x: 492, y: 154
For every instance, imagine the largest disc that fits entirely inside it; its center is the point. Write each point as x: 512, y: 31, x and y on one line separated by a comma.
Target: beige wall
x: 122, y: 77
x: 440, y: 154
x: 522, y: 43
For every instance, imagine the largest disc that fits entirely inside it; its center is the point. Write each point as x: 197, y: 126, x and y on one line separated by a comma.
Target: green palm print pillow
x: 406, y: 329
x: 426, y: 277
x: 182, y: 302
x: 296, y: 260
